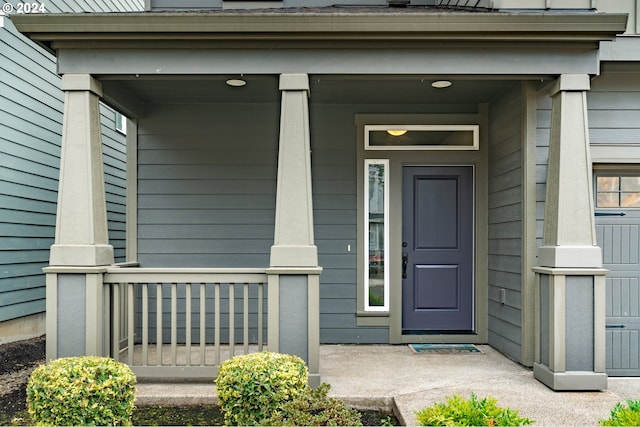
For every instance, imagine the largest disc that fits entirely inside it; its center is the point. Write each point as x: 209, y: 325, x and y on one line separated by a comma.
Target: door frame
x: 397, y: 160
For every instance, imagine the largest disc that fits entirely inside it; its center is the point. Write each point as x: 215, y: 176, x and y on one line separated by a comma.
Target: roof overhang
x: 282, y: 29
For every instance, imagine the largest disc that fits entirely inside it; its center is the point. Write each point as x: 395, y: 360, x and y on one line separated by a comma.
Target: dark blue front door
x: 437, y: 252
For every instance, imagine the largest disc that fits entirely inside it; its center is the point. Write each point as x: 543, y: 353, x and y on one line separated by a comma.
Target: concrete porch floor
x: 392, y: 377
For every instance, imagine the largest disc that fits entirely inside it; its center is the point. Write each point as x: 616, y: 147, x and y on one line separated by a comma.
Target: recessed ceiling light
x: 441, y: 84
x: 396, y: 132
x: 236, y: 82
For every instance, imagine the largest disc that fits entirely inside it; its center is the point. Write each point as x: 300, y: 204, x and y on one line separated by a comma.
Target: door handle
x: 405, y: 262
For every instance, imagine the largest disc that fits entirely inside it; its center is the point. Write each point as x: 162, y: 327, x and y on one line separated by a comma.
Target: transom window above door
x: 618, y: 191
x: 421, y: 137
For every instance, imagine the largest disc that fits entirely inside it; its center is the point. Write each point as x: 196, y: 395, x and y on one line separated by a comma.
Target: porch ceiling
x: 325, y: 89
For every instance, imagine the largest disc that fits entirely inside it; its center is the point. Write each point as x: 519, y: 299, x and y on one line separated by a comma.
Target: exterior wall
x: 543, y: 127
x: 505, y: 222
x: 206, y: 195
x: 614, y: 113
x: 30, y: 132
x: 206, y: 185
x: 614, y: 108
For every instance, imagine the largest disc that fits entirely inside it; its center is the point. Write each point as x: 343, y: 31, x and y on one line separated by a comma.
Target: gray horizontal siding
x: 31, y: 106
x: 614, y: 118
x: 505, y: 222
x: 206, y: 195
x: 30, y: 130
x: 206, y: 185
x: 614, y: 109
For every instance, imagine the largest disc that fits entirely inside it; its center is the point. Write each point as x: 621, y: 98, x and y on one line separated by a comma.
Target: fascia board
x: 579, y: 27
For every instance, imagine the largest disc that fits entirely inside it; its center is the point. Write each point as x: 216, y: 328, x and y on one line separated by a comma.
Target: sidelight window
x: 377, y: 233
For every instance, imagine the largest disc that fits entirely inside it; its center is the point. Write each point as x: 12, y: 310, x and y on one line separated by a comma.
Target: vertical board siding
x: 31, y: 106
x: 505, y: 222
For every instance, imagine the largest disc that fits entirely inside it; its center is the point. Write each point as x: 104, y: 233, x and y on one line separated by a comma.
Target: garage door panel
x: 624, y: 358
x: 622, y: 297
x: 619, y: 243
x: 618, y: 234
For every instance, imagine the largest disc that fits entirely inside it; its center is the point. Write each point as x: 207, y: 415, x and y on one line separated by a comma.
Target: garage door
x: 618, y: 234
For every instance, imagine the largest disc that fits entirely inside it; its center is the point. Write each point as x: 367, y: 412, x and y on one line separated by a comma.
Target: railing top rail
x: 185, y: 275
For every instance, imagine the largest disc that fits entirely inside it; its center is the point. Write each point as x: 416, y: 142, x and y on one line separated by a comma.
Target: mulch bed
x: 17, y: 361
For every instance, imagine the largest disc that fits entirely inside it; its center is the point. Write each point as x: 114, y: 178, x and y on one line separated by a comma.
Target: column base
x: 81, y: 255
x: 570, y: 381
x: 570, y: 256
x: 314, y: 380
x: 294, y: 256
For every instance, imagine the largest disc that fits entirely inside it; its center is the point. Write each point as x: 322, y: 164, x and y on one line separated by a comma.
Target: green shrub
x: 624, y: 415
x: 315, y: 408
x: 458, y: 411
x: 251, y: 387
x: 87, y: 390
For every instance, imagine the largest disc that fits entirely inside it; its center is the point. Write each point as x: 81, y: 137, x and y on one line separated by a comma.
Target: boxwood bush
x: 313, y: 407
x: 624, y: 415
x: 85, y: 390
x: 458, y: 411
x: 251, y: 387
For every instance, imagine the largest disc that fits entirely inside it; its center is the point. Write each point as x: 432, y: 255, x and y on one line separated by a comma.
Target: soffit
x: 365, y: 90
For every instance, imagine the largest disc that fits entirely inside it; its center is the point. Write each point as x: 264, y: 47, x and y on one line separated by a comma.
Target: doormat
x: 444, y: 348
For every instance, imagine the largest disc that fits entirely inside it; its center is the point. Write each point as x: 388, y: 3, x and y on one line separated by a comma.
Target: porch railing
x: 182, y: 323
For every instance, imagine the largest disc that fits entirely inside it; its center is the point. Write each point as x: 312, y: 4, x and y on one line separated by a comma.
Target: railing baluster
x: 260, y: 317
x: 127, y: 300
x: 216, y: 327
x: 159, y: 324
x: 106, y: 300
x: 174, y: 322
x: 203, y: 336
x: 130, y: 323
x: 145, y: 324
x: 115, y: 351
x: 187, y: 308
x: 245, y: 318
x: 232, y: 320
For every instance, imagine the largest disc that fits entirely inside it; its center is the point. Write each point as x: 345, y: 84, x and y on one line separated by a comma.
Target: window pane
x: 630, y: 200
x: 630, y: 183
x: 421, y: 138
x: 608, y: 183
x: 376, y: 282
x: 608, y: 200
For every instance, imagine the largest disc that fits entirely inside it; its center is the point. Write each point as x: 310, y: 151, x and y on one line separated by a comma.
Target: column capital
x: 294, y: 82
x: 81, y: 82
x: 571, y: 82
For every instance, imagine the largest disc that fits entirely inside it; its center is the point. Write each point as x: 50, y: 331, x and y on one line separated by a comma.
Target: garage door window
x: 618, y: 191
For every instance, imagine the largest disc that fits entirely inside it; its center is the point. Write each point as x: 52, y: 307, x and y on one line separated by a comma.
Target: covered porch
x: 240, y: 196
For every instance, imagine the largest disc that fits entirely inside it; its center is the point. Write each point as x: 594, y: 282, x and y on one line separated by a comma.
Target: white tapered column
x: 81, y: 223
x: 294, y: 304
x: 570, y: 300
x: 81, y: 251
